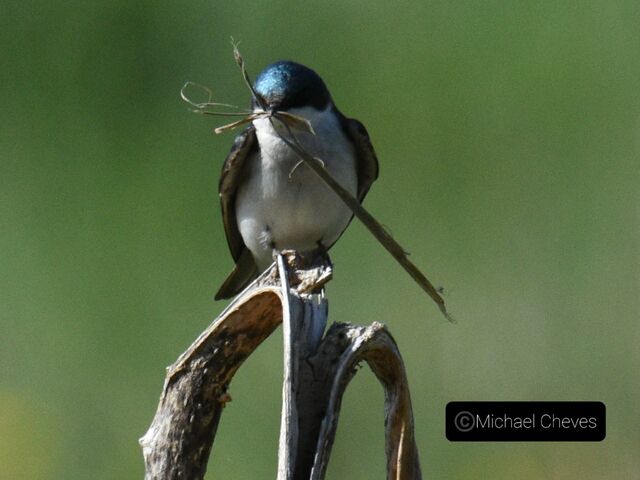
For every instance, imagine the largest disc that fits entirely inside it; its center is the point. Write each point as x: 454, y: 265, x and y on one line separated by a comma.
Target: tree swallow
x: 272, y: 202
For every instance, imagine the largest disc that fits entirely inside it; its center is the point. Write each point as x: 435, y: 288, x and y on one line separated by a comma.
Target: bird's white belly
x: 284, y: 206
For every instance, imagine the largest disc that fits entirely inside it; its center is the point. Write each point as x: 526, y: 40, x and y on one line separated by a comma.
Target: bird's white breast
x: 281, y: 203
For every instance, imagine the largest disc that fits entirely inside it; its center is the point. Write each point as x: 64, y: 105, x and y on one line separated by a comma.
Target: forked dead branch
x: 318, y: 368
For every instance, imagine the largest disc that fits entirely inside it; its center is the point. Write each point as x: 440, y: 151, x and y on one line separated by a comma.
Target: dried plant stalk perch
x: 317, y: 371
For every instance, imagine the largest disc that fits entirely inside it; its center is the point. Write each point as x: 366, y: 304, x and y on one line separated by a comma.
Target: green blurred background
x: 508, y: 135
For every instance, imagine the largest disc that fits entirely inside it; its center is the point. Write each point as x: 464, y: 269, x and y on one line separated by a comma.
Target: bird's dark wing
x: 245, y: 269
x: 367, y: 162
x: 230, y: 178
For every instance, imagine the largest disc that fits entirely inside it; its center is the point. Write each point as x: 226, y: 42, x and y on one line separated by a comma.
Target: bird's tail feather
x: 242, y: 274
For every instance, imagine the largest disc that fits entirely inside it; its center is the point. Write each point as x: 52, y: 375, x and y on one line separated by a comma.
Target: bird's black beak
x: 259, y: 101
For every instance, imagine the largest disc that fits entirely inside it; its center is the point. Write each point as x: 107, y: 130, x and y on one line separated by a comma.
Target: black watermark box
x: 525, y: 421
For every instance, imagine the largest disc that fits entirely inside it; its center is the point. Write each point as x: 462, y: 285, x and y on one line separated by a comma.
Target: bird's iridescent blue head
x: 285, y: 85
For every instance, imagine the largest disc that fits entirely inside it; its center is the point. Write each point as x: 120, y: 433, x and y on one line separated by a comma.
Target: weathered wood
x: 304, y: 321
x: 317, y: 372
x: 350, y: 345
x: 178, y: 443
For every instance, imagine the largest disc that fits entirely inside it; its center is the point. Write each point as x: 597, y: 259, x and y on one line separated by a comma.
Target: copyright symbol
x: 464, y: 421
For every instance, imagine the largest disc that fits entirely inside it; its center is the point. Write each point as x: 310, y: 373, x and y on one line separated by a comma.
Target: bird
x: 270, y: 200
